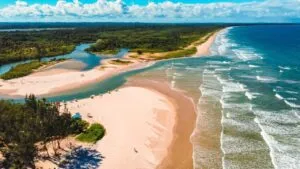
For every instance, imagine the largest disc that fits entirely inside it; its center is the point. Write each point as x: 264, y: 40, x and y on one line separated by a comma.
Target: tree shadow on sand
x: 82, y: 158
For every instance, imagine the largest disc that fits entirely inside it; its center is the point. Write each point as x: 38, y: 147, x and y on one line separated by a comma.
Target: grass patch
x: 106, y: 52
x: 25, y: 69
x: 94, y: 133
x: 22, y: 70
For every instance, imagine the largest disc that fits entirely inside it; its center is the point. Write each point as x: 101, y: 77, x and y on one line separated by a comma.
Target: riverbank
x: 58, y: 80
x: 53, y: 81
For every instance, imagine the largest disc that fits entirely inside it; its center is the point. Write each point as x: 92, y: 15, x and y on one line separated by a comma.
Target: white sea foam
x: 284, y: 147
x: 178, y: 74
x: 247, y: 76
x: 293, y: 105
x: 253, y: 66
x: 233, y: 87
x: 247, y: 54
x: 213, y: 66
x: 291, y: 81
x: 218, y: 62
x: 221, y: 44
x: 266, y: 79
x: 297, y: 114
x: 279, y: 96
x: 269, y: 140
x: 191, y: 68
x: 291, y: 99
x: 178, y: 64
x: 251, y: 96
x: 223, y: 69
x: 284, y: 67
x: 291, y: 92
x: 173, y: 84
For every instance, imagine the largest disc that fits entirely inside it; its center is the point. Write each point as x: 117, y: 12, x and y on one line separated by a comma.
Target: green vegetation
x: 21, y: 70
x: 22, y: 126
x: 120, y: 62
x: 179, y: 53
x: 94, y: 133
x: 109, y: 52
x: 27, y: 68
x: 151, y: 39
x: 108, y: 39
x: 18, y: 46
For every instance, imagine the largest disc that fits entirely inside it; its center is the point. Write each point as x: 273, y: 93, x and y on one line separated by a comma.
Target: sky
x: 150, y: 11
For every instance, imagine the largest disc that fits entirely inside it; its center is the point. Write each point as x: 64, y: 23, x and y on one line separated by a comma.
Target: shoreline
x: 180, y: 151
x: 176, y: 152
x: 135, y: 138
x: 17, y: 88
x: 158, y: 128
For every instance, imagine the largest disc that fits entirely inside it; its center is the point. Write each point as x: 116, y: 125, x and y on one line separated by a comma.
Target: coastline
x: 180, y: 151
x: 203, y: 49
x: 176, y: 149
x: 135, y: 138
x: 155, y: 134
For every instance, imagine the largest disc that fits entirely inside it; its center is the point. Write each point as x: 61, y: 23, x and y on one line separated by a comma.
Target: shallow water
x: 247, y: 96
x: 89, y: 60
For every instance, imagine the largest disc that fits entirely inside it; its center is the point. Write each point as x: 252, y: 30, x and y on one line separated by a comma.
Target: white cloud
x: 268, y: 10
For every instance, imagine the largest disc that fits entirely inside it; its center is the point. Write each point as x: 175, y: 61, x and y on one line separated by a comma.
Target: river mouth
x: 79, y: 60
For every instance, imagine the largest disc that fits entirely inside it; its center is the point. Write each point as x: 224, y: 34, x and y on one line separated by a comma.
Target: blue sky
x: 150, y: 10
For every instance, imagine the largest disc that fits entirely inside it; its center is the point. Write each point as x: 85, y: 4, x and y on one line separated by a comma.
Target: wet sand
x: 180, y: 152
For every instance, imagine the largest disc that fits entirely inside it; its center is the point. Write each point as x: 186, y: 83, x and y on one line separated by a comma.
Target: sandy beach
x: 203, y: 49
x: 57, y: 80
x: 148, y: 129
x: 180, y: 151
x: 139, y: 131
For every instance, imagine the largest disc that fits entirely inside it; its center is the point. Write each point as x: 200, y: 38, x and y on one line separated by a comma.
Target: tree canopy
x: 24, y: 125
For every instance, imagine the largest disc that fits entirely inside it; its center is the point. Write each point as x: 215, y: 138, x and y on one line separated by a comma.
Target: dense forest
x: 23, y: 45
x: 22, y: 126
x: 151, y: 39
x: 20, y: 45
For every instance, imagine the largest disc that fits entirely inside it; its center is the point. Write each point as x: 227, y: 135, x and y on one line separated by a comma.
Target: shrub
x: 94, y: 133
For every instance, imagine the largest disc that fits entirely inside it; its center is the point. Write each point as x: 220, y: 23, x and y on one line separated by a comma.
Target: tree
x: 35, y: 121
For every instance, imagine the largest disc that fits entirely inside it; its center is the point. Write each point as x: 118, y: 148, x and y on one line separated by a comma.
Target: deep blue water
x: 262, y: 83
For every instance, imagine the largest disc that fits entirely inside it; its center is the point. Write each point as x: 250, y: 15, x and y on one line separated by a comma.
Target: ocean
x: 247, y: 97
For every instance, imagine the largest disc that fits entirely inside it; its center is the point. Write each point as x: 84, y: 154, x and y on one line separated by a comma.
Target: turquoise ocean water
x: 248, y: 91
x: 247, y: 95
